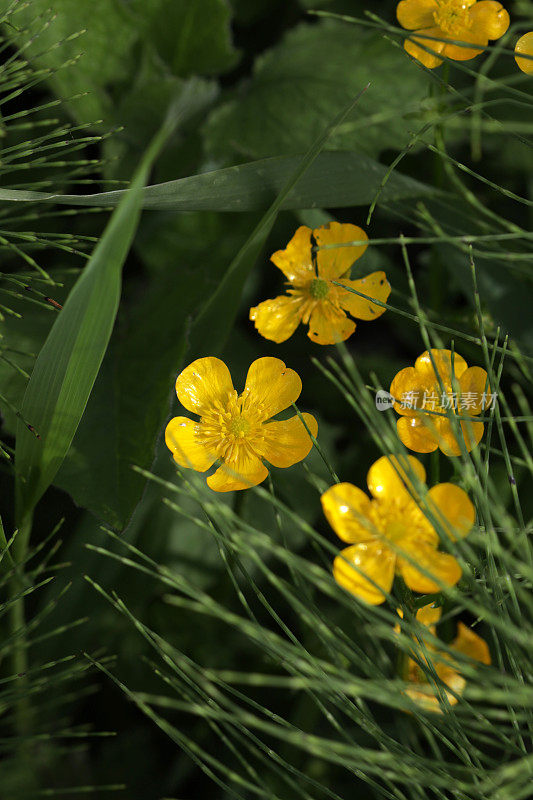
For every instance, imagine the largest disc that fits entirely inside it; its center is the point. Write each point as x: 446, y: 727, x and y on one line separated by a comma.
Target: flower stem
x: 17, y: 628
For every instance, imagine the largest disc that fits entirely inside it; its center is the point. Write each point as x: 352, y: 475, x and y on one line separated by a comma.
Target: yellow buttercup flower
x: 524, y: 47
x: 422, y: 690
x: 390, y: 533
x: 237, y: 429
x: 424, y: 404
x: 465, y: 21
x: 313, y: 298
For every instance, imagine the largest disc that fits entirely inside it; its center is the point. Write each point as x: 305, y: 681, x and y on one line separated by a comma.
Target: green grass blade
x: 335, y: 179
x: 67, y: 365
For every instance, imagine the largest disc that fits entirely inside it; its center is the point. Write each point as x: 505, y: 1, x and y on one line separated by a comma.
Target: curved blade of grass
x: 335, y: 179
x: 67, y: 365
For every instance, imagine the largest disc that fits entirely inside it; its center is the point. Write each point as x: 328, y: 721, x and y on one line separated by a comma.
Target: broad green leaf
x: 194, y: 38
x: 102, y: 52
x: 139, y: 111
x: 307, y: 79
x: 334, y: 180
x: 68, y: 363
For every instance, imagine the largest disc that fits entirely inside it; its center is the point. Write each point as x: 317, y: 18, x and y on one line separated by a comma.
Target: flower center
x: 232, y: 427
x: 452, y: 16
x: 396, y: 520
x: 318, y: 289
x: 239, y: 427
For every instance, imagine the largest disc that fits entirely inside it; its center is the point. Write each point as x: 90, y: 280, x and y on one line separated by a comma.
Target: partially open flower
x: 313, y: 298
x: 456, y: 23
x: 428, y: 692
x: 428, y: 393
x: 238, y: 429
x: 390, y: 533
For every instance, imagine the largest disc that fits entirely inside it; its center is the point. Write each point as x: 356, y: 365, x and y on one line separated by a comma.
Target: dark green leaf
x: 194, y: 38
x: 307, y: 79
x: 108, y: 34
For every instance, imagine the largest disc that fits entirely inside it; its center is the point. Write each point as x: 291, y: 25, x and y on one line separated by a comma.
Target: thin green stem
x: 17, y: 628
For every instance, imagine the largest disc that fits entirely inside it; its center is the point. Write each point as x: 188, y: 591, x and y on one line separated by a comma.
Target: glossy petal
x: 286, y: 442
x: 295, y: 261
x: 204, y: 383
x: 408, y: 388
x: 524, y: 47
x: 443, y: 568
x: 489, y: 18
x: 385, y: 482
x: 244, y: 471
x: 448, y: 443
x: 455, y: 506
x: 181, y: 438
x: 415, y: 435
x: 470, y: 644
x: 429, y: 616
x: 443, y: 362
x: 475, y: 391
x: 346, y: 508
x: 375, y: 561
x: 375, y: 285
x: 416, y: 14
x: 329, y: 325
x: 469, y: 36
x: 429, y: 60
x: 271, y: 387
x: 277, y: 319
x: 334, y: 263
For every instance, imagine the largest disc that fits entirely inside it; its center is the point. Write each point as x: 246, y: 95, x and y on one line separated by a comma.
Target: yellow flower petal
x: 475, y: 393
x: 443, y: 363
x: 415, y: 435
x: 346, y: 508
x: 426, y: 695
x: 455, y: 506
x: 203, y: 383
x: 469, y: 36
x: 470, y: 644
x: 181, y: 438
x: 329, y: 325
x: 277, y: 319
x: 375, y: 285
x: 385, y: 482
x: 286, y: 442
x: 489, y: 19
x: 442, y: 567
x: 295, y: 261
x: 429, y: 615
x: 429, y: 60
x: 408, y: 388
x: 370, y: 559
x: 270, y: 387
x: 334, y: 263
x: 524, y: 47
x: 416, y: 14
x: 244, y: 471
x: 472, y: 434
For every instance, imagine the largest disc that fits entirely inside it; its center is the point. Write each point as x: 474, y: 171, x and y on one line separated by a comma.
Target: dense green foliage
x: 158, y: 640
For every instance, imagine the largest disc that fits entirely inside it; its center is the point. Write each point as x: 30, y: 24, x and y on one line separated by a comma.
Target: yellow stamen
x: 452, y: 16
x: 318, y: 289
